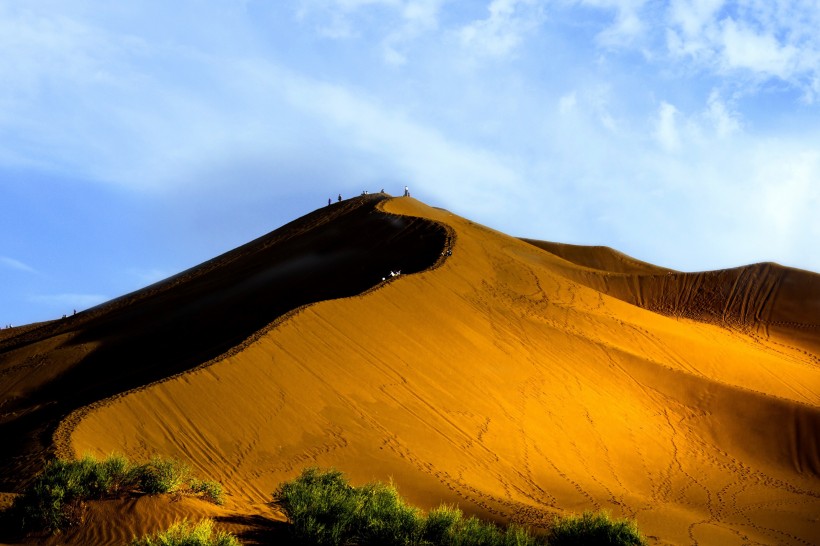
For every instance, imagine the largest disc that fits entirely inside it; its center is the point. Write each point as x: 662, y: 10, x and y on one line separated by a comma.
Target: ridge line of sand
x: 61, y: 438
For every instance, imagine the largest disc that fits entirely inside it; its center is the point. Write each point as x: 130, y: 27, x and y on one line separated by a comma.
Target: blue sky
x: 138, y: 139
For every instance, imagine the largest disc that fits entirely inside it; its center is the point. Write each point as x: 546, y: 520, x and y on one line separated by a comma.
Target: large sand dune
x: 517, y: 379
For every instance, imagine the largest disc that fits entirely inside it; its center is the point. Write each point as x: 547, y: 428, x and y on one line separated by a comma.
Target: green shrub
x: 57, y: 497
x: 439, y: 524
x: 320, y: 505
x: 209, y: 490
x: 184, y: 533
x: 384, y: 518
x: 163, y: 475
x: 593, y: 528
x: 324, y: 509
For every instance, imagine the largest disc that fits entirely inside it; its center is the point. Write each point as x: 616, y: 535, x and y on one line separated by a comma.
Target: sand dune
x: 517, y: 379
x: 197, y: 315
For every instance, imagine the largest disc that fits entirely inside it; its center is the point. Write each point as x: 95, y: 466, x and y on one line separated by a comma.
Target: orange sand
x: 519, y: 382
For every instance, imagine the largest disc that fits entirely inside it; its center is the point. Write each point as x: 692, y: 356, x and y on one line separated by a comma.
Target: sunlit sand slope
x: 501, y: 382
x: 767, y: 299
x: 50, y: 369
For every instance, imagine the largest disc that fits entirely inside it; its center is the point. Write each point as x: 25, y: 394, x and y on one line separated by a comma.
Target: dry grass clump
x: 184, y: 533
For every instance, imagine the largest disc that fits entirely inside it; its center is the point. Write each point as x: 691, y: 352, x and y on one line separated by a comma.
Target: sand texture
x: 518, y: 379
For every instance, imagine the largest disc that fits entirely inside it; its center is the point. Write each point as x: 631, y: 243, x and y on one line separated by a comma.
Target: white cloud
x: 11, y: 263
x: 789, y: 194
x: 400, y: 21
x: 762, y: 53
x: 503, y: 30
x: 694, y: 17
x: 724, y: 121
x: 446, y: 168
x: 567, y: 103
x: 666, y: 127
x: 764, y: 40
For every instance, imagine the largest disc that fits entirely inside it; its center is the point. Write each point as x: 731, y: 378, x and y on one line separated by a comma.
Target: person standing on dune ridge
x: 406, y: 192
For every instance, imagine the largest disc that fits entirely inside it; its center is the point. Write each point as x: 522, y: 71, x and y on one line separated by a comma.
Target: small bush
x: 439, y: 522
x: 320, y: 505
x: 384, y: 518
x: 187, y: 534
x: 209, y: 490
x: 57, y: 497
x: 163, y: 475
x: 594, y: 528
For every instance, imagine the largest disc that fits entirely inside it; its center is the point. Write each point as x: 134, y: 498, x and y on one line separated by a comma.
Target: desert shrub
x: 594, y: 528
x: 320, y: 505
x: 439, y: 524
x: 324, y: 509
x: 185, y: 533
x: 163, y: 475
x: 382, y: 517
x: 112, y: 475
x: 474, y: 532
x: 57, y: 497
x: 209, y: 490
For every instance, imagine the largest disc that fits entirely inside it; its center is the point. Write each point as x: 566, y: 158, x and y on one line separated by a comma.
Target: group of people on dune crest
x: 339, y: 198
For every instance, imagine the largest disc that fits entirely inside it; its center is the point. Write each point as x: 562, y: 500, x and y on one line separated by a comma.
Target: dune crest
x: 766, y: 299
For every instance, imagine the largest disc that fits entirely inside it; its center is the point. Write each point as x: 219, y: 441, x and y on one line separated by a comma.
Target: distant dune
x: 518, y: 379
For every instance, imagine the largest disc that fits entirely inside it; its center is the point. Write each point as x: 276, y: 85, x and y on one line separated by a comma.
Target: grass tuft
x: 594, y: 528
x: 209, y: 490
x: 163, y: 475
x: 185, y: 533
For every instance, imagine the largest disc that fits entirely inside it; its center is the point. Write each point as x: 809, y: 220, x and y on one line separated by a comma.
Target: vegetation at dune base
x: 57, y: 497
x: 185, y: 533
x: 593, y: 528
x: 324, y: 509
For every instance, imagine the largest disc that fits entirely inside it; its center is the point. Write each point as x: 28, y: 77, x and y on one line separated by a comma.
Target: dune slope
x: 511, y: 381
x: 51, y: 369
x: 767, y: 299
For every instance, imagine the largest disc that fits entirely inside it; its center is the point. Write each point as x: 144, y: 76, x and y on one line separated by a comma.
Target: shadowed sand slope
x: 49, y: 370
x: 509, y: 380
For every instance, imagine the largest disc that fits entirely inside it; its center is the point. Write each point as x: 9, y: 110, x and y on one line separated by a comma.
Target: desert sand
x: 518, y: 379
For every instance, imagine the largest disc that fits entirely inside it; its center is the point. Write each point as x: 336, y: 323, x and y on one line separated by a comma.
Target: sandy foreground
x: 517, y: 379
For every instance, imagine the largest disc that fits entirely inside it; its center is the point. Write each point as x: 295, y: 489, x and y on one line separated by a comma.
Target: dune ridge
x: 765, y: 299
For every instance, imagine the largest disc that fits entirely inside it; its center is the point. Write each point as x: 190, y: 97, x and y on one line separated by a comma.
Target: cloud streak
x: 16, y: 265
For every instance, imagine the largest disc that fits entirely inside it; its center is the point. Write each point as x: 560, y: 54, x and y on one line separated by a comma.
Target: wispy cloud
x: 666, y: 128
x: 11, y: 263
x: 503, y: 30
